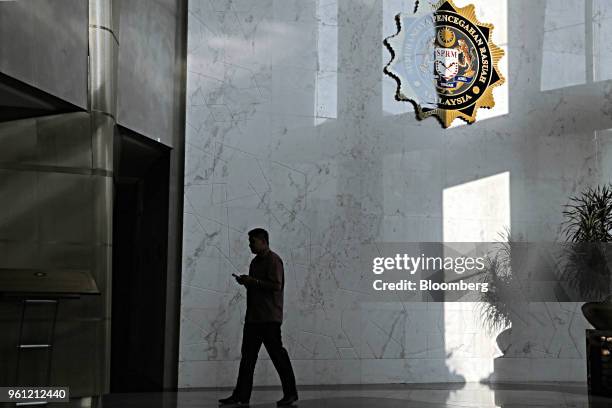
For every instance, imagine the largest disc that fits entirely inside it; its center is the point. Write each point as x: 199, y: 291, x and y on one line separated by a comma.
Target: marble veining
x: 290, y: 127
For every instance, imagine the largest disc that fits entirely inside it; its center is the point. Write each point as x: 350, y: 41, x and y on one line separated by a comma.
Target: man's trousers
x: 253, y: 335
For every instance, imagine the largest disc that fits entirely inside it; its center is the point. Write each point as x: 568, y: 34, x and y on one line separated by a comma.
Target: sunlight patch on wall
x: 390, y: 9
x: 477, y: 211
x: 563, y: 59
x: 576, y: 53
x: 602, y: 36
x: 326, y: 96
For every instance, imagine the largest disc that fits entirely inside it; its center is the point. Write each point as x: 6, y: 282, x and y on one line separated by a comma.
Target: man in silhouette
x: 262, y: 324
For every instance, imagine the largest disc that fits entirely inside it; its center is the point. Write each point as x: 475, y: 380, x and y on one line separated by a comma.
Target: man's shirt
x: 265, y: 297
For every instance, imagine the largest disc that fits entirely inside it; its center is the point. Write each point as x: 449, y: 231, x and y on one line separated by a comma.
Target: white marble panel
x: 564, y: 44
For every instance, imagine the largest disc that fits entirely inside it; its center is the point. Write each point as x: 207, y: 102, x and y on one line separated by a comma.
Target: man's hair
x: 260, y: 233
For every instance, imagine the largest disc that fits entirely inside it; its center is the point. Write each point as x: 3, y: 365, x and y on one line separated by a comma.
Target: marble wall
x: 292, y: 126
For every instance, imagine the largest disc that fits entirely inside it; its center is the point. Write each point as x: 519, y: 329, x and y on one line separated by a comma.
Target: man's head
x: 258, y: 240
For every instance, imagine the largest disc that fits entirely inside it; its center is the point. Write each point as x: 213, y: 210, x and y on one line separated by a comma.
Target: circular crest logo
x: 444, y: 62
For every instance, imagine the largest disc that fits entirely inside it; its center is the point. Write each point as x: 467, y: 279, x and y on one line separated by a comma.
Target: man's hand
x: 245, y: 280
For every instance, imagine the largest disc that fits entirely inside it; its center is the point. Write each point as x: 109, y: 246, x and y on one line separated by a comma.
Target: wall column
x: 102, y: 103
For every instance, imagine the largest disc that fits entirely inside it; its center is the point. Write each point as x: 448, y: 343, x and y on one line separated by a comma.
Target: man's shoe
x: 233, y: 401
x: 287, y: 401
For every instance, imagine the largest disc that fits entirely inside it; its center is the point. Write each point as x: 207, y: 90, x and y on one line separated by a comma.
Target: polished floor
x: 470, y: 395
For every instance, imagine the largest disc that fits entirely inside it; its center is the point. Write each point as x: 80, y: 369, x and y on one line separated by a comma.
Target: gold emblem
x: 444, y: 62
x: 446, y: 37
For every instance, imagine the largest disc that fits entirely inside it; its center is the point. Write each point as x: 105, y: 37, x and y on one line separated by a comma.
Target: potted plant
x: 494, y: 310
x: 588, y: 229
x: 497, y: 305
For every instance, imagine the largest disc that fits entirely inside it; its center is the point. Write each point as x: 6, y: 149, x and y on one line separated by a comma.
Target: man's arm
x: 274, y: 276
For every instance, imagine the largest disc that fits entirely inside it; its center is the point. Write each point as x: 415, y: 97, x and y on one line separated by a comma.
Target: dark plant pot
x: 504, y: 340
x: 599, y: 314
